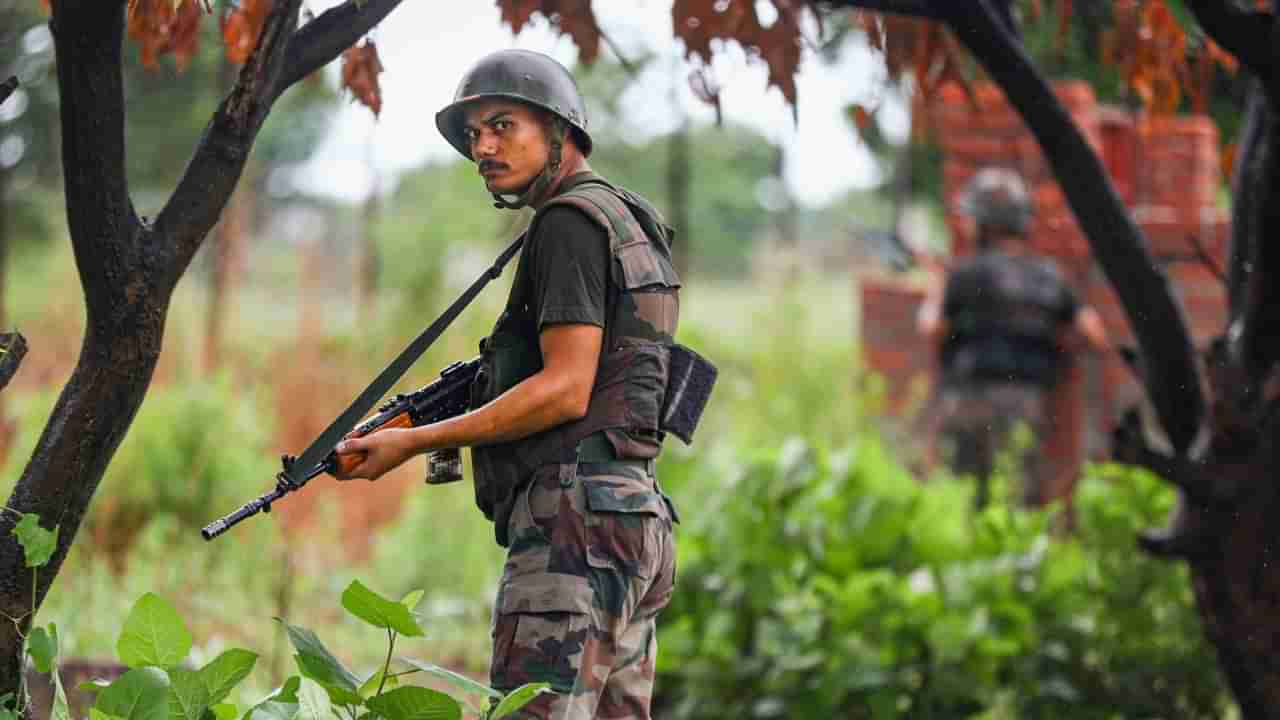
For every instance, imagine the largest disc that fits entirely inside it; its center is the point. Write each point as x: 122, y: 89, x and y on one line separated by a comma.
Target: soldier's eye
x: 501, y: 125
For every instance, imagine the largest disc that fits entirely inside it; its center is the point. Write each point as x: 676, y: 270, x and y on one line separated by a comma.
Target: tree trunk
x: 128, y: 268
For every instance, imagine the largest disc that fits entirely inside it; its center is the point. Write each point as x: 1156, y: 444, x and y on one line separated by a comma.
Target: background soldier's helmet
x: 997, y: 198
x: 522, y: 75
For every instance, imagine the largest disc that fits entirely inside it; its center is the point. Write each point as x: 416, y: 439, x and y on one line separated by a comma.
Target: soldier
x: 1006, y: 326
x: 564, y: 428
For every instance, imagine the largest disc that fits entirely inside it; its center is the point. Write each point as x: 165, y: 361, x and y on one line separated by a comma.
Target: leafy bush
x: 835, y: 586
x: 196, y: 450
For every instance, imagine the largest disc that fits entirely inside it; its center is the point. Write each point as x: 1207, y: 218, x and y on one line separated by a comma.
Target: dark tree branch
x: 1248, y: 196
x: 7, y: 88
x: 1173, y: 383
x: 927, y: 9
x: 219, y: 160
x: 89, y: 38
x: 1202, y: 256
x: 13, y: 347
x: 1243, y: 33
x: 318, y: 42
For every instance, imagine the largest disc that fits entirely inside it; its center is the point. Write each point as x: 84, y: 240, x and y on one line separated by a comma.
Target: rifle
x: 445, y: 397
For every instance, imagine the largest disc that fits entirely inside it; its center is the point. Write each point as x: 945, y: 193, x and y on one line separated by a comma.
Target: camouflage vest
x: 641, y: 315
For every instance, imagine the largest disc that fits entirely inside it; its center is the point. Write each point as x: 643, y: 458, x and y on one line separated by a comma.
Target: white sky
x: 426, y: 47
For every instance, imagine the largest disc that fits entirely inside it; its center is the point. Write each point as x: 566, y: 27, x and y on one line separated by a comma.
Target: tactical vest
x: 635, y: 361
x: 1004, y: 314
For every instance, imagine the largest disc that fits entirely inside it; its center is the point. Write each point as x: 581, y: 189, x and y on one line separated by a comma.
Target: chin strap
x: 555, y: 137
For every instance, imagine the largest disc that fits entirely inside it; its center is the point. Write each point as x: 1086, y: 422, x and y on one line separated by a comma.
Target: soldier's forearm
x: 538, y: 403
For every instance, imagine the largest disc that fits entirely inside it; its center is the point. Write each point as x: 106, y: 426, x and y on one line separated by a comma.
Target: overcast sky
x: 427, y: 46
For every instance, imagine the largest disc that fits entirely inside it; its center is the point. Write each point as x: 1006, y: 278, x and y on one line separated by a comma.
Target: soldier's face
x: 508, y: 143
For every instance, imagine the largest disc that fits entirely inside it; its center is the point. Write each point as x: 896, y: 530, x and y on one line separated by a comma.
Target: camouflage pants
x: 976, y: 422
x: 590, y: 565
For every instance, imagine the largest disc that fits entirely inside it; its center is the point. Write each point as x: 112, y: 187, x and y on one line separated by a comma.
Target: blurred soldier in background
x: 1006, y: 327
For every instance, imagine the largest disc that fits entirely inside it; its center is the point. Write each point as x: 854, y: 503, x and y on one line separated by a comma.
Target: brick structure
x: 1166, y: 169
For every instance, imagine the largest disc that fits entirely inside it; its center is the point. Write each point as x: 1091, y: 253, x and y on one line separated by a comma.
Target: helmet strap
x: 556, y: 131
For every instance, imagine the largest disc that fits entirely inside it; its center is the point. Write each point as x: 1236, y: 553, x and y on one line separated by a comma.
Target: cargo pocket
x: 543, y: 624
x: 623, y: 528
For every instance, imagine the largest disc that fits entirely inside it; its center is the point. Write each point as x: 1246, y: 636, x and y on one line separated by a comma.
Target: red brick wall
x: 1166, y: 169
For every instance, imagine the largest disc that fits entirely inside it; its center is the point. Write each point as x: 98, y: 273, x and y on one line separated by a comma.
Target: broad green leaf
x: 153, y: 634
x: 379, y: 611
x: 96, y: 714
x: 273, y: 710
x: 37, y: 543
x: 140, y: 694
x: 188, y: 695
x: 412, y: 599
x: 316, y: 662
x: 224, y: 711
x: 288, y: 692
x: 41, y: 648
x: 370, y: 686
x: 416, y: 703
x: 7, y: 714
x: 339, y: 692
x: 518, y: 698
x: 313, y: 701
x: 226, y: 671
x: 461, y: 682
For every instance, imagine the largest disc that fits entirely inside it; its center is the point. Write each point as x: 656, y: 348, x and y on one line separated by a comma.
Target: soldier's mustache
x: 487, y: 165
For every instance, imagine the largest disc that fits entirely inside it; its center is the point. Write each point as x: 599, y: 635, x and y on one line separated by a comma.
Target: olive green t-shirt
x: 568, y: 266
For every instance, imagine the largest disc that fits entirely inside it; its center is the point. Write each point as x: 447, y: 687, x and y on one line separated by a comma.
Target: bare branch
x: 13, y: 347
x: 219, y: 160
x: 1173, y: 384
x: 1202, y: 255
x: 320, y: 41
x: 1243, y: 33
x: 7, y: 88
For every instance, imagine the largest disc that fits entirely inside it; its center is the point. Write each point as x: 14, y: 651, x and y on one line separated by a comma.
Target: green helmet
x: 998, y: 198
x: 522, y: 75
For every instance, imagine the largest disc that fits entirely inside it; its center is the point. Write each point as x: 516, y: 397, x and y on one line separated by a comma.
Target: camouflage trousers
x: 976, y: 422
x: 590, y: 564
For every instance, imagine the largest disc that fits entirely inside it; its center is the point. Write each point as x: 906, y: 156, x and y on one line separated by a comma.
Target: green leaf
x: 224, y: 711
x: 42, y: 649
x: 153, y: 634
x: 461, y: 682
x: 60, y: 709
x: 140, y: 694
x: 379, y: 611
x: 188, y: 695
x: 96, y: 714
x: 370, y: 686
x: 313, y: 701
x: 37, y: 543
x: 288, y: 692
x: 518, y: 698
x: 412, y: 599
x: 273, y: 710
x: 316, y: 662
x: 416, y: 703
x: 226, y: 671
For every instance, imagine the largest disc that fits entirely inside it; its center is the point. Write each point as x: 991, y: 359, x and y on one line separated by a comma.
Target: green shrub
x: 196, y: 451
x: 833, y: 585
